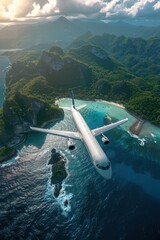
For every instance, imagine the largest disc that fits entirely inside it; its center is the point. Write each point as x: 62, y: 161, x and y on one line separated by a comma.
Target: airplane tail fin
x: 73, y: 102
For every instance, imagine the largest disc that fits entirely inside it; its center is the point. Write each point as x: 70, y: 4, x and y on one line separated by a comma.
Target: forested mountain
x: 141, y: 56
x: 139, y: 87
x: 86, y: 69
x: 121, y: 69
x: 62, y: 32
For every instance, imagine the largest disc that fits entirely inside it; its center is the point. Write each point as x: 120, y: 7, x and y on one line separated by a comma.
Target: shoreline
x: 23, y: 139
x: 8, y: 156
x: 96, y: 100
x: 135, y: 128
x: 112, y: 103
x: 43, y: 125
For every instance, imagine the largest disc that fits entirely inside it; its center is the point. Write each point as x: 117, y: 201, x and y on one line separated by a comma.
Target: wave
x: 9, y: 162
x: 153, y: 135
x: 63, y: 197
x: 141, y: 140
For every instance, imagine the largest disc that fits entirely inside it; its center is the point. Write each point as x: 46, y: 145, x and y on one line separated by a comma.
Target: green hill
x: 91, y: 71
x: 141, y: 56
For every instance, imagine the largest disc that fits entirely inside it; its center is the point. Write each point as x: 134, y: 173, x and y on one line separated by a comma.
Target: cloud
x: 157, y: 5
x: 129, y: 8
x: 11, y: 10
x: 48, y: 8
x: 139, y: 7
x: 83, y: 7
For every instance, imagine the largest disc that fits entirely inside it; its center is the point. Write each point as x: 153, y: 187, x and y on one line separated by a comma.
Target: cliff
x: 62, y: 71
x: 20, y: 112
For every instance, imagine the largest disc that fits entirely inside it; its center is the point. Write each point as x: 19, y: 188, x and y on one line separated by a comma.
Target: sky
x: 29, y: 10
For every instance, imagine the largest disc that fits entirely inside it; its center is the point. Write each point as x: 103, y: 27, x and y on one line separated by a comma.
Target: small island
x: 59, y: 172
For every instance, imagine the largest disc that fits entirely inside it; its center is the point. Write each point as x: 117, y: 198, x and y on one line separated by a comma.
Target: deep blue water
x: 125, y: 207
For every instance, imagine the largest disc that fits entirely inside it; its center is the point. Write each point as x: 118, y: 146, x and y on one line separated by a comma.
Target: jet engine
x: 105, y: 140
x: 70, y: 144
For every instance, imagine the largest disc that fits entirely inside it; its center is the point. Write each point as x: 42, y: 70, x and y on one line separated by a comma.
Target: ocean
x: 124, y: 208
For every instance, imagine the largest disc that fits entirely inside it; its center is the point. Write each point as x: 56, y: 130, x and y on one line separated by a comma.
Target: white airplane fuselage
x: 88, y: 136
x: 98, y: 157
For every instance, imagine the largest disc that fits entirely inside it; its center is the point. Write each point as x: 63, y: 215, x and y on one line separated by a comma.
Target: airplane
x: 88, y: 137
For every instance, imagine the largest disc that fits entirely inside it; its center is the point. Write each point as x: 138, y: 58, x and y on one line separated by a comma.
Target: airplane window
x: 104, y: 167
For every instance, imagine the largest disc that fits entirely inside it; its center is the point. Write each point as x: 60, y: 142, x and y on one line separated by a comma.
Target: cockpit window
x: 104, y: 167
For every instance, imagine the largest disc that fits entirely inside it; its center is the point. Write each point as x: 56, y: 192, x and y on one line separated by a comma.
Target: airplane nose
x: 105, y: 172
x: 108, y: 174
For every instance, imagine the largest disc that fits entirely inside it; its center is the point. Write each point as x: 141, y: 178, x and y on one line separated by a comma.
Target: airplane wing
x: 67, y: 134
x: 98, y: 131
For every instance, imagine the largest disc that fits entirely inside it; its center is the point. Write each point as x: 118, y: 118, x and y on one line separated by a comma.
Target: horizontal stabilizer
x: 98, y: 131
x: 70, y: 109
x: 67, y: 134
x: 80, y: 107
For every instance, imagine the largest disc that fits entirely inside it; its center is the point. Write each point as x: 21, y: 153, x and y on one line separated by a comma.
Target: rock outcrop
x: 62, y: 71
x: 59, y: 172
x: 136, y: 127
x: 20, y: 112
x: 54, y: 62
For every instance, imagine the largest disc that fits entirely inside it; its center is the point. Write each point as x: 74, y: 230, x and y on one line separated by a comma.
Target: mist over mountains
x: 62, y: 32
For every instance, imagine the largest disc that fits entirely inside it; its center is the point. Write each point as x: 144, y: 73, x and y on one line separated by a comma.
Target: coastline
x: 43, y: 125
x: 135, y: 128
x: 96, y: 100
x: 23, y: 138
x: 8, y: 156
x: 112, y: 103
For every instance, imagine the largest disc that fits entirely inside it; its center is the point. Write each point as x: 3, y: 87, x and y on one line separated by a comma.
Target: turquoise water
x: 125, y: 207
x: 4, y: 63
